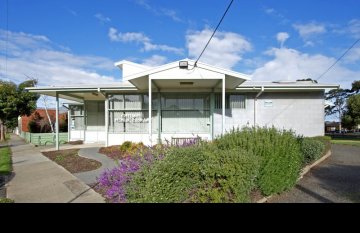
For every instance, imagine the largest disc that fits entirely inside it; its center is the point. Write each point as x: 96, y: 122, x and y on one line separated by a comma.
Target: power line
x: 338, y: 59
x: 227, y: 9
x: 7, y: 39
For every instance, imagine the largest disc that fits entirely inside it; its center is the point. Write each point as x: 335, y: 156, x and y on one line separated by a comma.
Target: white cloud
x: 311, y: 29
x: 354, y: 27
x: 127, y: 36
x: 274, y: 13
x: 102, y: 18
x: 225, y: 49
x: 172, y: 14
x: 155, y: 60
x: 141, y: 38
x: 36, y: 56
x: 353, y: 55
x: 351, y: 29
x: 282, y: 37
x: 309, y: 44
x: 159, y: 12
x: 290, y: 64
x: 269, y: 11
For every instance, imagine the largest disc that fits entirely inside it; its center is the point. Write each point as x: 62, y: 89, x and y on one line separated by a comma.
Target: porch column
x: 57, y: 122
x: 150, y: 112
x: 69, y: 122
x: 159, y: 117
x: 223, y: 106
x: 212, y: 107
x: 106, y: 121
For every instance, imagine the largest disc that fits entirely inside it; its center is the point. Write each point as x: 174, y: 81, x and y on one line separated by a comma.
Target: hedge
x: 196, y: 174
x: 278, y: 151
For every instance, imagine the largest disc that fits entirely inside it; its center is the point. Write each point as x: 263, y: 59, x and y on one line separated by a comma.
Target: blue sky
x: 66, y: 42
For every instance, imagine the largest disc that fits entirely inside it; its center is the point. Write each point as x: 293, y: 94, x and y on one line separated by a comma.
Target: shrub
x: 278, y: 151
x: 196, y: 174
x: 326, y: 140
x: 112, y: 182
x: 125, y: 146
x: 33, y: 127
x: 311, y: 149
x: 6, y: 200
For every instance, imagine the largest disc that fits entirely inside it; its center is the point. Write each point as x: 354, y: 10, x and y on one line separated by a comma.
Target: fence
x: 41, y: 139
x: 348, y: 136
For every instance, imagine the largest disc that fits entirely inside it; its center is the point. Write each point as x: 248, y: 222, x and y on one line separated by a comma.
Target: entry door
x: 185, y: 113
x: 95, y: 121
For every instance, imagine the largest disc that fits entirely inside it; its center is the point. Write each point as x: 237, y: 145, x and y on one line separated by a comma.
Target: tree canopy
x: 15, y: 101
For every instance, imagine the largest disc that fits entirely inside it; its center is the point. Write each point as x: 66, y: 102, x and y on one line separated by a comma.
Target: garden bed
x: 71, y: 161
x: 241, y: 166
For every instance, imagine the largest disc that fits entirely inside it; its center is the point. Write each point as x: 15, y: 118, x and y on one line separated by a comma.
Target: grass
x: 71, y: 161
x: 5, y: 160
x: 346, y: 142
x: 6, y: 200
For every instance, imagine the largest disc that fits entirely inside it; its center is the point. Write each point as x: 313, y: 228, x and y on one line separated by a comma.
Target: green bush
x: 33, y: 127
x: 277, y: 150
x: 125, y: 146
x: 196, y: 174
x: 326, y: 140
x: 6, y: 200
x: 311, y: 149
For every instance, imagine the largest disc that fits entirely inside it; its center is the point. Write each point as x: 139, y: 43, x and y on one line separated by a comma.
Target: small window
x: 232, y: 101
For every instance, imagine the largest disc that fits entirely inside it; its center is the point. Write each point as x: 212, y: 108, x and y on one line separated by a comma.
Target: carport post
x: 150, y: 112
x: 57, y: 122
x: 223, y: 107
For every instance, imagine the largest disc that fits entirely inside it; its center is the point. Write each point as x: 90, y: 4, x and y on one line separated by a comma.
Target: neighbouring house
x: 184, y: 100
x: 332, y: 126
x: 40, y: 118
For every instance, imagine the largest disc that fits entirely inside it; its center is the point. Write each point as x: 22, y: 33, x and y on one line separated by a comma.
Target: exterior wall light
x: 183, y: 64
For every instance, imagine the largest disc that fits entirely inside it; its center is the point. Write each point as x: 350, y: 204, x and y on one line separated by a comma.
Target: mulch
x: 71, y: 161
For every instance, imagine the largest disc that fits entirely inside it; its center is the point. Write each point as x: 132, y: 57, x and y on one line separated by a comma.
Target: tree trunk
x: 47, y: 114
x: 2, y: 133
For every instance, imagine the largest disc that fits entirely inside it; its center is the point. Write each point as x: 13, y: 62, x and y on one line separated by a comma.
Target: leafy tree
x: 15, y: 101
x: 338, y: 98
x: 355, y: 87
x: 352, y: 116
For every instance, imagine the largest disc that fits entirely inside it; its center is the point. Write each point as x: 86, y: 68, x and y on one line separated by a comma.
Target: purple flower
x: 112, y: 182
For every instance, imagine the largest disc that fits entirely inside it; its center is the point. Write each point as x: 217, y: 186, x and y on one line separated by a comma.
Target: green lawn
x: 346, y: 142
x: 5, y: 160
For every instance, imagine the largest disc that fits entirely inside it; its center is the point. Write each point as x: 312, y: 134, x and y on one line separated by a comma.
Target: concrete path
x: 336, y: 180
x: 92, y: 153
x: 36, y: 179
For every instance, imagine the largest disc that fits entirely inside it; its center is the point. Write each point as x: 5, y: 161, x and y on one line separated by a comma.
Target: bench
x: 179, y: 141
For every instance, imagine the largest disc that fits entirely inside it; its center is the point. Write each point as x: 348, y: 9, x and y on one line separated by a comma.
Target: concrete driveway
x: 336, y: 180
x: 37, y: 179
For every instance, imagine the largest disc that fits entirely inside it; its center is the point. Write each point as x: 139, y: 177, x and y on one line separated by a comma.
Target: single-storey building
x: 185, y: 100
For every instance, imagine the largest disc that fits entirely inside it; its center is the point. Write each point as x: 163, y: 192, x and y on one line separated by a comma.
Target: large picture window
x: 129, y: 113
x: 185, y: 113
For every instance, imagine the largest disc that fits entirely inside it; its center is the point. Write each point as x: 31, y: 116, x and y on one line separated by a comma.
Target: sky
x: 69, y: 42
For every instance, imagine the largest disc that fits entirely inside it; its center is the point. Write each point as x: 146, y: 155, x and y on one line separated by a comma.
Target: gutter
x: 255, y: 102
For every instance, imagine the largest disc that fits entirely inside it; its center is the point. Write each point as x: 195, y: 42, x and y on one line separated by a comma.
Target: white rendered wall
x: 76, y: 135
x: 302, y: 112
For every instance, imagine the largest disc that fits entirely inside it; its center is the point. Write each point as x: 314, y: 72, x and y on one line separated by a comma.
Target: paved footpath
x: 36, y: 179
x: 336, y: 180
x: 92, y: 153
